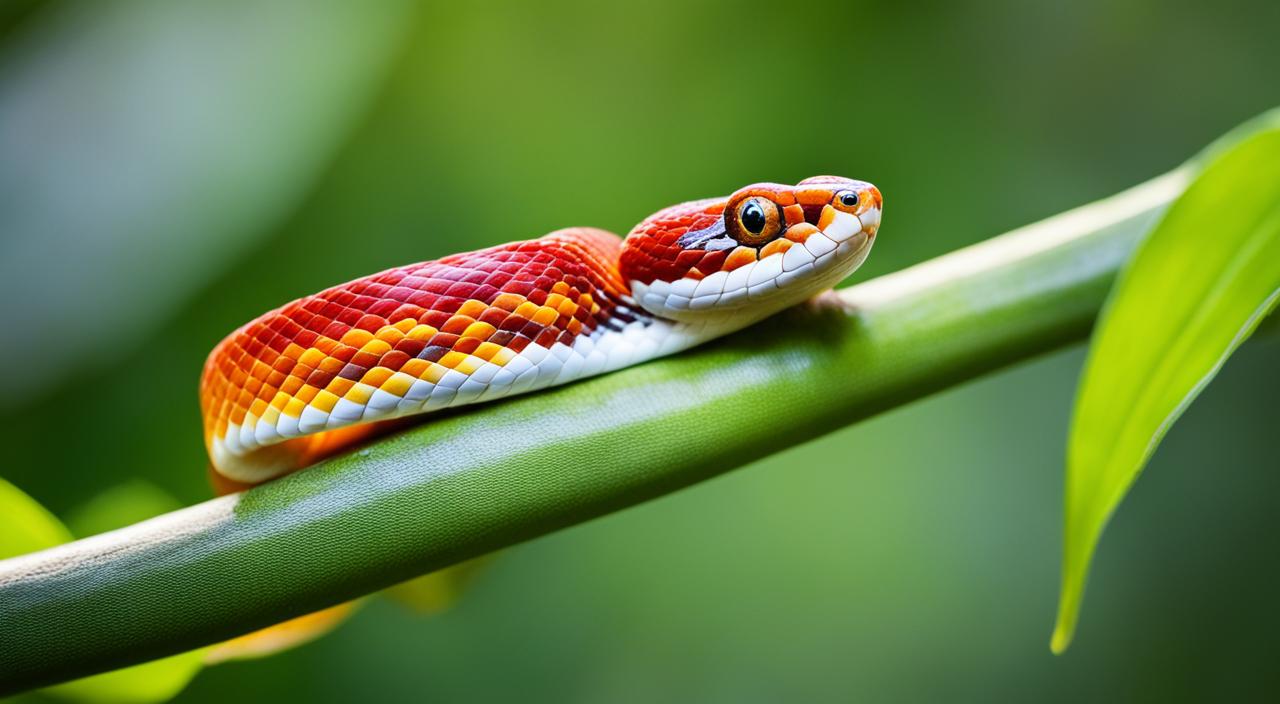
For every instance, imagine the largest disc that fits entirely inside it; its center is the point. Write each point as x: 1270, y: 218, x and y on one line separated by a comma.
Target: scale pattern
x: 652, y: 251
x: 307, y: 379
x: 409, y: 339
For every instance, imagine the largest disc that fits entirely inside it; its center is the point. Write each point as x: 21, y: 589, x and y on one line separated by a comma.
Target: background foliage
x: 925, y: 541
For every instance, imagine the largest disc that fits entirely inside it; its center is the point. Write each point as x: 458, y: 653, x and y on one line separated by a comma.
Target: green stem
x: 468, y: 483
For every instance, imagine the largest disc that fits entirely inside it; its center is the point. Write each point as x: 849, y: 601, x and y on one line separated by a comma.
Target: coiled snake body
x: 307, y: 378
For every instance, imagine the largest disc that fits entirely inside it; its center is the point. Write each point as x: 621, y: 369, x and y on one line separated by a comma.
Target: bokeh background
x: 169, y: 170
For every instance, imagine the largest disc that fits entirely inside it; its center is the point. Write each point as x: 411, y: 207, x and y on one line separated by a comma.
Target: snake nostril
x: 813, y: 212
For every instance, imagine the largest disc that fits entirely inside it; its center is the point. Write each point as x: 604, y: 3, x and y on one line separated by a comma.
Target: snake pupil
x: 753, y: 217
x: 849, y: 199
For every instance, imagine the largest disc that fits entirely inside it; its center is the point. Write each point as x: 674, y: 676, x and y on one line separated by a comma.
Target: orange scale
x: 376, y: 377
x: 258, y: 407
x: 375, y: 347
x: 260, y: 371
x: 740, y: 257
x: 339, y: 386
x: 508, y: 301
x: 778, y: 246
x: 421, y: 333
x: 344, y: 353
x: 479, y: 330
x: 326, y: 345
x: 467, y: 345
x: 325, y: 401
x: 312, y: 358
x: 371, y: 323
x: 567, y: 308
x: 276, y: 378
x: 487, y: 351
x: 457, y: 324
x: 416, y: 367
x: 800, y: 234
x: 269, y: 354
x: 397, y: 384
x: 294, y: 407
x: 331, y: 365
x: 495, y: 316
x: 356, y: 337
x: 452, y: 359
x: 545, y: 316
x: 394, y: 360
x: 526, y: 310
x: 365, y: 360
x: 390, y: 335
x: 472, y: 308
x: 306, y: 393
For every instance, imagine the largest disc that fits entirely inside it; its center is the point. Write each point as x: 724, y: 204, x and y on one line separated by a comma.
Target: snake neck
x: 633, y: 335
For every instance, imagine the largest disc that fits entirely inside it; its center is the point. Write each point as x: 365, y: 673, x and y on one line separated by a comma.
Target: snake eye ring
x: 846, y: 201
x: 755, y: 221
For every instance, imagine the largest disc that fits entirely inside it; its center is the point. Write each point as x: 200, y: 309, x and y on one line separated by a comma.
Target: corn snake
x: 315, y: 375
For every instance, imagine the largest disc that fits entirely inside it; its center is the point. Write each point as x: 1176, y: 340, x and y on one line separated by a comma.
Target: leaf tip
x: 1068, y: 613
x: 1061, y: 639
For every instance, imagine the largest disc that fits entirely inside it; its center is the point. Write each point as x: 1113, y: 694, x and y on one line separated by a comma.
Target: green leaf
x: 25, y: 525
x: 155, y: 681
x: 1194, y: 290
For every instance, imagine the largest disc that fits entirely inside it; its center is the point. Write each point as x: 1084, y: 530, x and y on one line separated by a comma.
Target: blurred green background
x: 170, y: 170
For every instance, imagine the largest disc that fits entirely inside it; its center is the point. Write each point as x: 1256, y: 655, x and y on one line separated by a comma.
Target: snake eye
x: 847, y: 200
x: 752, y: 217
x: 757, y: 221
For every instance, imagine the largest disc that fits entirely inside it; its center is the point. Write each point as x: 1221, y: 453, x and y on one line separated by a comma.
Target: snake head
x: 764, y: 248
